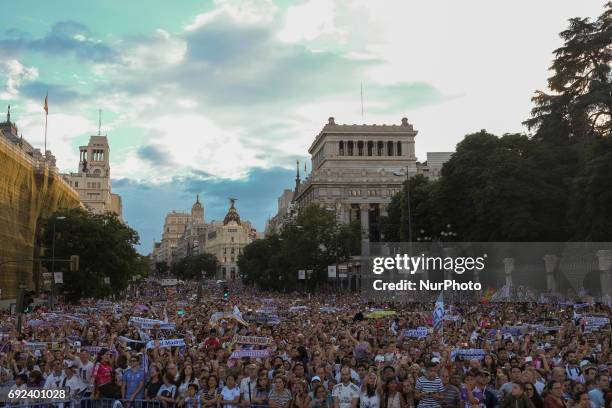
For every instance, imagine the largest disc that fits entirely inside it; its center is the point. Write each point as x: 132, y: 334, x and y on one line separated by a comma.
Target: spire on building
x: 197, y: 199
x: 8, y: 114
x: 297, y: 179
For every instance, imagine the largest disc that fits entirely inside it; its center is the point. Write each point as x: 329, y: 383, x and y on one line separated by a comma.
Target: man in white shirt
x: 345, y: 394
x: 56, y: 377
x: 72, y: 383
x: 84, y: 369
x: 248, y: 385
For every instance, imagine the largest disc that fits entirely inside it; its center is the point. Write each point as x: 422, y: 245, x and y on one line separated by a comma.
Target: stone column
x: 365, y: 229
x: 508, y: 269
x: 550, y: 263
x: 605, y: 269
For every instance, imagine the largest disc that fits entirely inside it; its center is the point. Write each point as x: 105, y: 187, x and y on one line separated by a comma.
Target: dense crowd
x: 181, y: 347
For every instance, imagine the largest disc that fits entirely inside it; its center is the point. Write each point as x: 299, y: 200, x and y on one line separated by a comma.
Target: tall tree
x: 591, y: 212
x: 580, y: 97
x: 106, y: 249
x: 192, y: 267
x: 312, y: 241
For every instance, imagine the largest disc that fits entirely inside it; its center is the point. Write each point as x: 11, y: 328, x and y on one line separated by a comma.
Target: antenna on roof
x: 99, y: 121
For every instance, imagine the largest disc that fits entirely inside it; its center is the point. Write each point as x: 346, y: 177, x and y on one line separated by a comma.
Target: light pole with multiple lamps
x: 53, y: 283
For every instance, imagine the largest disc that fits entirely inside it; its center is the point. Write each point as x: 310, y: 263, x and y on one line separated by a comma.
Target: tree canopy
x: 312, y: 241
x: 554, y: 185
x: 106, y: 249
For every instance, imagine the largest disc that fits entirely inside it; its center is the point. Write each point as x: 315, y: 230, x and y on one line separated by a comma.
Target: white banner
x: 58, y: 277
x: 168, y: 282
x: 301, y: 274
x: 259, y: 341
x: 331, y: 271
x: 167, y: 343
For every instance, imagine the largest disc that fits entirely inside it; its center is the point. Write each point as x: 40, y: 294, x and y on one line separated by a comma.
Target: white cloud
x: 243, y: 11
x: 62, y: 130
x: 16, y: 74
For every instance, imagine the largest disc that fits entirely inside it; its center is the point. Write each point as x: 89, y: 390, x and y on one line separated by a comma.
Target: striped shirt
x: 281, y: 398
x: 424, y: 385
x: 450, y: 396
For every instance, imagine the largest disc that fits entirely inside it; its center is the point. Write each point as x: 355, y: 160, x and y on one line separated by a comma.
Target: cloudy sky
x: 219, y: 98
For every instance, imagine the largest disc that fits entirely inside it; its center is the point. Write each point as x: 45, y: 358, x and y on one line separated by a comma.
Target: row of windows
x: 232, y: 250
x: 372, y: 193
x: 94, y: 185
x: 98, y: 155
x: 370, y: 148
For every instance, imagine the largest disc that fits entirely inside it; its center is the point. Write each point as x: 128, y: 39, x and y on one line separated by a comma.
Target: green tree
x: 192, y: 267
x: 161, y: 268
x: 106, y: 249
x: 312, y: 241
x: 580, y: 99
x: 591, y: 211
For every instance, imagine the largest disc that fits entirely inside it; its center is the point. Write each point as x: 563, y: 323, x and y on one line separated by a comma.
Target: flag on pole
x: 438, y: 313
x: 46, y: 107
x: 237, y: 312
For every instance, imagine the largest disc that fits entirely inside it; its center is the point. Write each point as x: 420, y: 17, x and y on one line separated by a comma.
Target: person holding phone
x: 429, y: 388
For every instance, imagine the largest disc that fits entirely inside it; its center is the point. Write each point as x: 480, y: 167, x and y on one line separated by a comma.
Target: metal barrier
x: 87, y: 403
x: 100, y: 403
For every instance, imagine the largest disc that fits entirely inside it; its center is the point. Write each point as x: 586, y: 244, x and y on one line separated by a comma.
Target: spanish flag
x: 46, y: 107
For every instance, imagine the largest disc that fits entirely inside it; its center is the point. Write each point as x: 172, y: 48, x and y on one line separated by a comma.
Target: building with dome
x: 226, y: 240
x: 181, y: 231
x: 187, y: 234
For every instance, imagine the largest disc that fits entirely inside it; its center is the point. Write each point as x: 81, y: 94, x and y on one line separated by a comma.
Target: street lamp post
x: 53, y: 284
x: 407, y: 174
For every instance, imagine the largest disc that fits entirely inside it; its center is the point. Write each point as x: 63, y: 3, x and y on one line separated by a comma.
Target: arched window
x: 360, y: 148
x: 370, y: 148
x: 350, y: 149
x: 341, y: 148
x: 389, y: 148
x: 380, y: 148
x: 399, y: 148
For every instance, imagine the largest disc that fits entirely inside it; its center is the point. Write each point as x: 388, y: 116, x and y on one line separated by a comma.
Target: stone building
x: 92, y: 180
x: 31, y: 190
x: 175, y: 224
x: 227, y: 239
x: 187, y: 234
x: 356, y: 169
x: 284, y: 210
x: 432, y: 168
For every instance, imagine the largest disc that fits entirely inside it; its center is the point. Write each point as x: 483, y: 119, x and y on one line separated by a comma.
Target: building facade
x: 187, y: 234
x: 175, y: 224
x: 356, y: 170
x: 92, y: 180
x: 432, y: 168
x: 284, y: 210
x: 227, y: 239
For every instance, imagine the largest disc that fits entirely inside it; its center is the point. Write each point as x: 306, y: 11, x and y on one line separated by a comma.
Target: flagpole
x: 46, y: 107
x: 46, y: 117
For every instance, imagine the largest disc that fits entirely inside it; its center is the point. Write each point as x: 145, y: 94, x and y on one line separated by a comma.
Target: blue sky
x: 219, y: 98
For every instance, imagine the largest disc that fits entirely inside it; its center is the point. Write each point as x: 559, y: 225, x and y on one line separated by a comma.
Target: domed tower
x: 197, y: 212
x: 232, y: 215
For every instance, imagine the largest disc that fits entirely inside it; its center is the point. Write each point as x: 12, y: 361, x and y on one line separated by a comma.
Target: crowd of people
x: 183, y: 347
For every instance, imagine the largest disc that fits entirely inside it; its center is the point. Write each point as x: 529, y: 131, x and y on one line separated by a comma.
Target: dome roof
x: 232, y: 214
x: 197, y: 204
